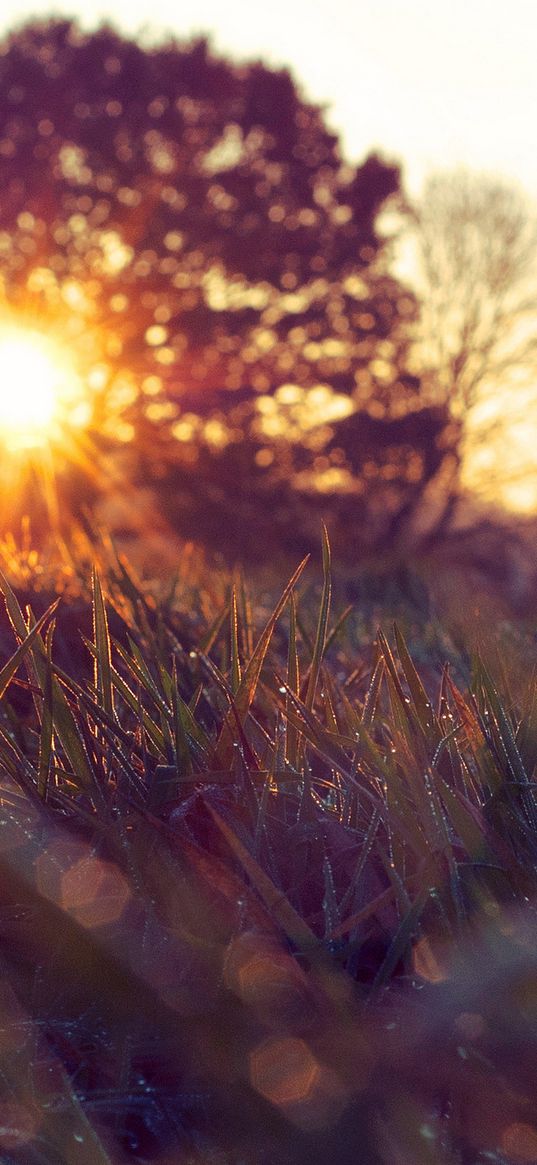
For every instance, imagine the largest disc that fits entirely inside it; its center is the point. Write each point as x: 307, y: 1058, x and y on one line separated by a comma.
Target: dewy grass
x: 264, y: 895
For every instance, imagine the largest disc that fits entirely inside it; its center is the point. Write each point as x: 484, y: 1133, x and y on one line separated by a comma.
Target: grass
x: 267, y: 886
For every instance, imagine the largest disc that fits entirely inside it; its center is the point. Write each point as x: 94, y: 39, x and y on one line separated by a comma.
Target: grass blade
x: 65, y: 724
x: 250, y: 679
x: 30, y: 637
x: 235, y: 668
x: 101, y: 635
x: 373, y: 694
x: 322, y: 624
x: 280, y: 908
x: 403, y: 936
x: 47, y: 725
x: 293, y: 682
x: 421, y: 705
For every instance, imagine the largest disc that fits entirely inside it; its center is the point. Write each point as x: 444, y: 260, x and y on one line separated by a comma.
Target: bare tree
x: 473, y: 261
x: 475, y: 240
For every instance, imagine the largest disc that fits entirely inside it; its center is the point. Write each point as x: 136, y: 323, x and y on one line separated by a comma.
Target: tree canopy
x: 192, y: 226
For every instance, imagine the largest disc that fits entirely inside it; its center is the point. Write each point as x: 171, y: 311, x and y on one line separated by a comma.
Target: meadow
x: 267, y: 884
x: 267, y: 832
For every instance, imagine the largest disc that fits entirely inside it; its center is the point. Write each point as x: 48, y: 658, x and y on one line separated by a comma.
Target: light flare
x: 39, y: 389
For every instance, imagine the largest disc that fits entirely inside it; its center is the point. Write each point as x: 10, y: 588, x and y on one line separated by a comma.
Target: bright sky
x: 430, y: 83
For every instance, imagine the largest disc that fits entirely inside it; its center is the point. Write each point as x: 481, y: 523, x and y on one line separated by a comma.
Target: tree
x: 474, y: 249
x: 476, y: 245
x: 192, y: 227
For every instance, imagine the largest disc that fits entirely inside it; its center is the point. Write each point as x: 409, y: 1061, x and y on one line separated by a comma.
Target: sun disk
x: 37, y: 383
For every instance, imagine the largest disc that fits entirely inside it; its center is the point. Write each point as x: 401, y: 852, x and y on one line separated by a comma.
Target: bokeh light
x: 94, y: 892
x: 428, y: 962
x: 268, y: 980
x: 288, y: 1074
x: 519, y: 1141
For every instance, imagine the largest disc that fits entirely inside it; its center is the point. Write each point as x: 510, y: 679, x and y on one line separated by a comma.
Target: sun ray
x: 39, y: 388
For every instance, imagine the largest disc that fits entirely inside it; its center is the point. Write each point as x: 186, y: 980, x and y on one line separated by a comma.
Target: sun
x: 39, y: 388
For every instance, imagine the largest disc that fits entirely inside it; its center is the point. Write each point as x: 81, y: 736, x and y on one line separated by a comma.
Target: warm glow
x: 39, y: 388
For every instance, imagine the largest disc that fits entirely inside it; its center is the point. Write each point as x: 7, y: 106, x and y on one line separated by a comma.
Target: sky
x: 429, y: 83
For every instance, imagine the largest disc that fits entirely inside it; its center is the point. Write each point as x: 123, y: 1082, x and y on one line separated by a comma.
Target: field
x: 267, y: 873
x: 268, y: 582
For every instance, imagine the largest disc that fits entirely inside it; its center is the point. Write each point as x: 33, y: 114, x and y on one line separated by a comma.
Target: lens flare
x: 39, y: 388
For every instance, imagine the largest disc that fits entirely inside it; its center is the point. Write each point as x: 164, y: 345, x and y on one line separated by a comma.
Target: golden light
x: 428, y: 963
x: 287, y: 1073
x: 91, y: 890
x: 519, y: 1140
x: 39, y: 388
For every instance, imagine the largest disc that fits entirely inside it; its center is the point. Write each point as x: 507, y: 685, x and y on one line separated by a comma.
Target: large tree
x: 192, y: 226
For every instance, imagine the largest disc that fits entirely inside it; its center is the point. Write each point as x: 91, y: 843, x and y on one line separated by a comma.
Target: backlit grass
x: 267, y: 889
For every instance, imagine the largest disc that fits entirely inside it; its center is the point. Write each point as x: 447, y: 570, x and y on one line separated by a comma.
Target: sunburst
x: 40, y: 389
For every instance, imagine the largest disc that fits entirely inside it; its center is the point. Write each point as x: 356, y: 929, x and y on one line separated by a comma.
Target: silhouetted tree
x: 193, y: 229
